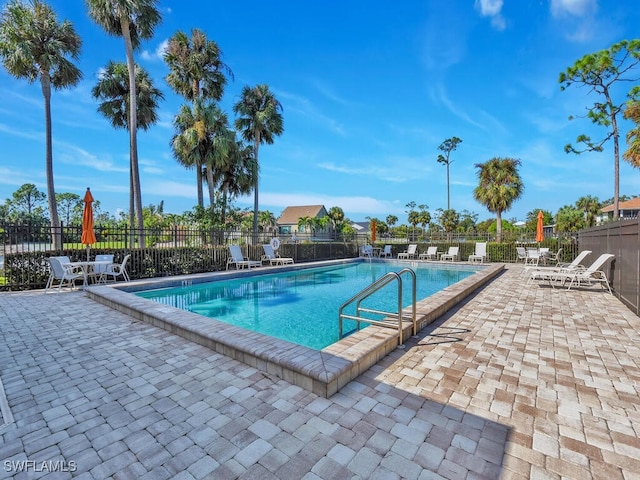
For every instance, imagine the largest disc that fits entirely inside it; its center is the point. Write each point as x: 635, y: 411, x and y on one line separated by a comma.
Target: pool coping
x: 324, y: 371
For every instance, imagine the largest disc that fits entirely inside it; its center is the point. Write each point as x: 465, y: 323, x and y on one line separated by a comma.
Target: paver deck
x: 518, y: 382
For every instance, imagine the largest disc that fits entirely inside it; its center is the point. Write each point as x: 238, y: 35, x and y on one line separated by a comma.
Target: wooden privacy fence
x: 621, y: 238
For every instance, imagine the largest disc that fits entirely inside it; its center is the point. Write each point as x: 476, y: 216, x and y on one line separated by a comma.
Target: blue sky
x: 369, y: 91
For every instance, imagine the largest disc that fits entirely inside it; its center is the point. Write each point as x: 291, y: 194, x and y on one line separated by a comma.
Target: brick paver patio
x: 519, y: 382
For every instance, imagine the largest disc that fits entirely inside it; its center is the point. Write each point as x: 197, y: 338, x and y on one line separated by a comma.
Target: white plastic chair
x: 386, y: 252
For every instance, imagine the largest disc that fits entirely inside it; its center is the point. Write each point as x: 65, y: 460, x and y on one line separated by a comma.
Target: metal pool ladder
x: 392, y: 319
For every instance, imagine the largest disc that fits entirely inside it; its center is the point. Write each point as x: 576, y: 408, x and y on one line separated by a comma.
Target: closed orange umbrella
x: 373, y: 231
x: 88, y: 235
x: 539, y: 227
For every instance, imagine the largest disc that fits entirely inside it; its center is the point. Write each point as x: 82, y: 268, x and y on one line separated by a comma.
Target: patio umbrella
x: 88, y: 235
x: 373, y: 231
x: 539, y: 227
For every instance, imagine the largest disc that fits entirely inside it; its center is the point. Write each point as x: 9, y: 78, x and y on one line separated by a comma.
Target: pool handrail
x: 370, y: 290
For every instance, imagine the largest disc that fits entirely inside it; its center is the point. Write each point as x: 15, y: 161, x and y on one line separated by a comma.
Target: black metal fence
x: 24, y: 249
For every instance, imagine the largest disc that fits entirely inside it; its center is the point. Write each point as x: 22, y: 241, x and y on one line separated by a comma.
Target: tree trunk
x: 499, y: 227
x: 133, y: 131
x: 56, y: 231
x: 199, y: 185
x: 256, y: 146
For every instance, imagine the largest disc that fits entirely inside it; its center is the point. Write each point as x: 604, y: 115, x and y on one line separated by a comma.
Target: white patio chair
x: 62, y: 272
x: 386, y: 252
x: 99, y: 269
x: 117, y: 270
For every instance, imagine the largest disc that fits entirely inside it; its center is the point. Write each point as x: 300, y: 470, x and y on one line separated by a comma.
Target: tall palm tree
x: 259, y: 121
x: 112, y: 90
x: 34, y: 45
x: 196, y: 71
x: 134, y: 21
x: 499, y: 186
x: 448, y: 146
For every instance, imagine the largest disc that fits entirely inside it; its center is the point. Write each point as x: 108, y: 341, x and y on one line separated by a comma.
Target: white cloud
x: 492, y: 9
x: 159, y: 52
x: 390, y: 174
x: 577, y: 8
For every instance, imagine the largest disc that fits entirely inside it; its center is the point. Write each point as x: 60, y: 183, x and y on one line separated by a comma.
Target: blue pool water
x: 302, y: 306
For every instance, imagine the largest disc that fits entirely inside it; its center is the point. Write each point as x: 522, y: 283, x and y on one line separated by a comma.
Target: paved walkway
x: 519, y: 382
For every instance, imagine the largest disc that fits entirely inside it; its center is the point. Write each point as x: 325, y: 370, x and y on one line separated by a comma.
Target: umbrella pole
x: 88, y: 248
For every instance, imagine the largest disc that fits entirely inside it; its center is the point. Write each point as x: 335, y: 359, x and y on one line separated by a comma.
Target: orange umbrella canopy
x: 373, y: 231
x: 88, y: 235
x: 539, y: 227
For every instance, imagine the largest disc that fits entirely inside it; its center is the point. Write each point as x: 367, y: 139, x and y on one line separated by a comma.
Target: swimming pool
x: 301, y: 306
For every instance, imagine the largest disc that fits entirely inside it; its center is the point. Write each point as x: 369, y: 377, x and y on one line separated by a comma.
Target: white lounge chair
x: 410, y: 253
x: 117, y: 270
x: 480, y: 255
x: 451, y: 255
x: 592, y: 274
x: 386, y: 252
x: 430, y: 254
x: 63, y: 273
x: 273, y: 258
x: 544, y: 272
x: 522, y: 254
x: 239, y: 260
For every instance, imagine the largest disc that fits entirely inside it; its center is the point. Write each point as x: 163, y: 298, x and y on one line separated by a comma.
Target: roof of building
x: 291, y: 215
x: 633, y: 204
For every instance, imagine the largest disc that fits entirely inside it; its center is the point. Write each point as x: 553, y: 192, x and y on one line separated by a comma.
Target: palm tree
x: 33, y: 45
x: 202, y: 139
x: 632, y: 112
x: 133, y: 20
x: 196, y: 71
x: 112, y: 90
x: 336, y: 214
x: 267, y: 220
x: 590, y: 206
x: 259, y: 121
x: 234, y: 173
x: 499, y: 186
